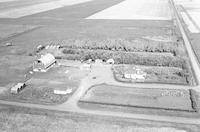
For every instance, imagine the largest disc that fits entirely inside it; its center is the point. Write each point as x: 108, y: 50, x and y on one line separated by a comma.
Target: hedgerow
x: 121, y: 57
x: 136, y: 45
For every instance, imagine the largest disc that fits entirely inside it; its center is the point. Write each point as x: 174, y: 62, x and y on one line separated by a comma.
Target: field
x: 13, y: 30
x: 139, y: 97
x: 21, y: 119
x: 13, y: 69
x: 40, y: 88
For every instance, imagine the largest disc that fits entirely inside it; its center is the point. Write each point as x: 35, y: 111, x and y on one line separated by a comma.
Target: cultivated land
x: 101, y: 95
x: 20, y: 119
x: 137, y: 97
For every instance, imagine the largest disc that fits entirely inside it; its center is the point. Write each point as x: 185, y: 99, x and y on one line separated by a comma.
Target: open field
x: 139, y: 97
x: 9, y: 31
x: 13, y: 69
x: 21, y: 119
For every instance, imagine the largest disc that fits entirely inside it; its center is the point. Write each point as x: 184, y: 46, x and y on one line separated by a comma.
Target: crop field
x: 13, y: 30
x: 139, y: 97
x: 40, y: 88
x: 24, y: 119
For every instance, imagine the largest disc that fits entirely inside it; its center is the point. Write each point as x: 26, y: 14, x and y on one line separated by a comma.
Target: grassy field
x: 13, y: 69
x: 13, y: 30
x: 23, y: 120
x: 139, y: 97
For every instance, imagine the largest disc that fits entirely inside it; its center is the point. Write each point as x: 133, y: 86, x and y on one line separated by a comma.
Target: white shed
x: 85, y: 66
x: 62, y: 92
x: 110, y: 61
x: 17, y: 88
x: 44, y: 62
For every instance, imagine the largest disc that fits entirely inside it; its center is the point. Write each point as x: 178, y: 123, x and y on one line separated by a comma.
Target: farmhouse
x: 135, y: 74
x: 43, y: 63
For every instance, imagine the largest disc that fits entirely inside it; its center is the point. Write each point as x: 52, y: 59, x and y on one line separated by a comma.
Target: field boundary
x: 193, y: 59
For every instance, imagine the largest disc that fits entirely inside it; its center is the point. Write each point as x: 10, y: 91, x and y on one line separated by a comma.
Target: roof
x: 46, y: 59
x: 134, y: 71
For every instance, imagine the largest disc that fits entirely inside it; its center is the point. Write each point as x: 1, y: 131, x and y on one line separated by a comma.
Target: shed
x: 44, y: 62
x: 85, y: 66
x: 17, y: 88
x: 110, y: 61
x: 63, y: 92
x: 53, y: 47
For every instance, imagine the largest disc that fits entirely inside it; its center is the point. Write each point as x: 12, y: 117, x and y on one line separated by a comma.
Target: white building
x: 136, y: 74
x: 85, y: 66
x: 42, y: 64
x: 17, y: 88
x: 53, y: 47
x: 63, y: 92
x: 110, y: 61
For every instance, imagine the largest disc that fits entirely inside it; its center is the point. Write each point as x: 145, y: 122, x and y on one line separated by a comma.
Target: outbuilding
x: 135, y: 74
x: 43, y: 63
x: 85, y: 66
x: 110, y: 61
x: 63, y: 92
x: 17, y: 88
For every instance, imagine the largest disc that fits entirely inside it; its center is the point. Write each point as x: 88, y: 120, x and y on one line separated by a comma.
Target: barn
x: 43, y: 63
